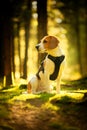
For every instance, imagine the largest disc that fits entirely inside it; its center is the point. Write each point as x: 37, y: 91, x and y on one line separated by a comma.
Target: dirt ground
x: 21, y: 117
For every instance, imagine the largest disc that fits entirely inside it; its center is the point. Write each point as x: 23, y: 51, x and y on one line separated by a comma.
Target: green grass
x: 3, y: 110
x: 59, y: 126
x: 5, y: 127
x: 72, y: 91
x: 70, y: 103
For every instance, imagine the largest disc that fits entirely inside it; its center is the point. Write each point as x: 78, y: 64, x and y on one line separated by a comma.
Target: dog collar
x: 57, y: 61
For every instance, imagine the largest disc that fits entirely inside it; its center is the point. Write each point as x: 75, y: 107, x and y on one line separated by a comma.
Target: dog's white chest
x: 48, y: 66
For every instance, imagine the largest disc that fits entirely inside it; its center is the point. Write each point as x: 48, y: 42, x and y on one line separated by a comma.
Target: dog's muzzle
x: 37, y: 47
x: 40, y: 48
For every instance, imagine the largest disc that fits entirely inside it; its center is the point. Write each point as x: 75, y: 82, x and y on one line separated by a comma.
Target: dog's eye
x: 44, y: 41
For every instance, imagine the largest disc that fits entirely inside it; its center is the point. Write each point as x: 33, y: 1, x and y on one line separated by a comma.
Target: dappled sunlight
x: 11, y: 89
x: 17, y: 74
x: 17, y: 60
x: 73, y: 95
x: 22, y: 43
x: 20, y: 81
x: 16, y: 57
x: 82, y: 91
x: 76, y: 96
x: 32, y: 52
x: 48, y: 105
x: 24, y: 97
x: 33, y: 58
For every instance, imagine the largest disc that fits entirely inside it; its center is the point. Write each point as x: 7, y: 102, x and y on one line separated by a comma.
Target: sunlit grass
x: 74, y: 93
x: 24, y: 97
x: 67, y: 97
x: 76, y: 96
x: 12, y: 89
x: 49, y: 105
x: 16, y: 94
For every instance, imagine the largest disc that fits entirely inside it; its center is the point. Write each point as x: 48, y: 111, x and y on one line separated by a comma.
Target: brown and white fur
x: 49, y: 44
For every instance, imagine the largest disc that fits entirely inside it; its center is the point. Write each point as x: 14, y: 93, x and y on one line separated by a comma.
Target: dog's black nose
x: 37, y: 47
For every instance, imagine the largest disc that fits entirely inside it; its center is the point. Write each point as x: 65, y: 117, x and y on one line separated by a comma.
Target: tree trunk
x: 7, y: 51
x: 42, y: 18
x: 42, y: 22
x: 27, y: 18
x: 1, y: 53
x: 77, y: 27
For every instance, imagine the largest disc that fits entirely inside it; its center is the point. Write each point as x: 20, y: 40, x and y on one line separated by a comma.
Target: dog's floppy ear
x: 53, y: 43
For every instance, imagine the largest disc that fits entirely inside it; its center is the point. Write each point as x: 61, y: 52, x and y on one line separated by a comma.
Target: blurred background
x: 23, y: 23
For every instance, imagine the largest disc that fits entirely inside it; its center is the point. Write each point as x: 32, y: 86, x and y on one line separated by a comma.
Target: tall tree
x: 42, y: 18
x: 42, y: 21
x: 1, y: 51
x: 7, y: 52
x: 6, y: 41
x: 74, y: 12
x: 27, y: 21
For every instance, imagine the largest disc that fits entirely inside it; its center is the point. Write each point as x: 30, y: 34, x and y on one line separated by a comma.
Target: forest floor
x: 64, y: 111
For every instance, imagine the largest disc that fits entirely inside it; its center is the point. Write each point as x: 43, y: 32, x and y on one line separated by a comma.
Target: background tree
x: 6, y: 41
x: 42, y: 22
x: 42, y: 18
x: 74, y: 21
x: 27, y: 20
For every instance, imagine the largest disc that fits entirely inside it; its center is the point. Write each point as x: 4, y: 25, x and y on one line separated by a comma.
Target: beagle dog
x: 50, y: 69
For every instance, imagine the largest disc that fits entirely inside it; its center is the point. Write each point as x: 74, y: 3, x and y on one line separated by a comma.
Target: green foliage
x: 66, y: 99
x: 80, y: 84
x: 45, y: 97
x: 71, y: 91
x: 3, y: 110
x: 57, y: 126
x: 5, y: 127
x: 23, y: 86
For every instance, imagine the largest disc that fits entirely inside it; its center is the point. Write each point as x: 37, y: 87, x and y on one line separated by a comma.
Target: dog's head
x: 47, y: 43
